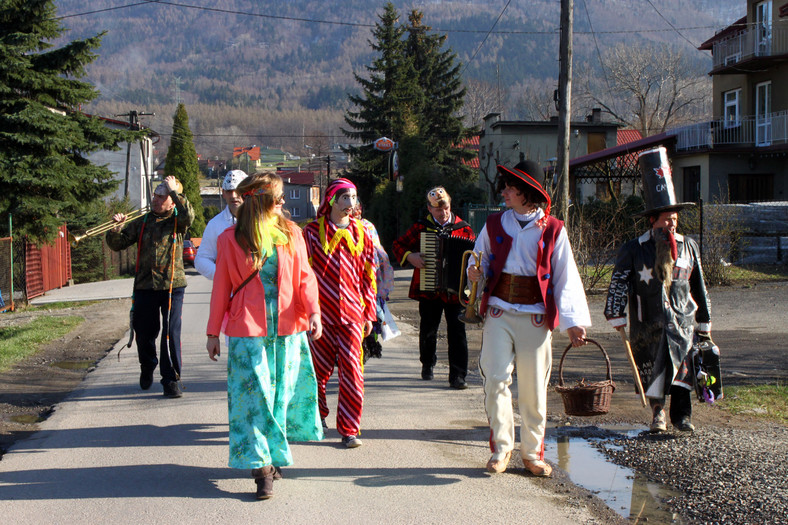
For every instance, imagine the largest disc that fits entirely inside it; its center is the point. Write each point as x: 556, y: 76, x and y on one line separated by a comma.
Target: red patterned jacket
x: 343, y: 260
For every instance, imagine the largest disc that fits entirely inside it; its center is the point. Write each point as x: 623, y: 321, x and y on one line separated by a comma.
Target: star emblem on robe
x: 645, y: 274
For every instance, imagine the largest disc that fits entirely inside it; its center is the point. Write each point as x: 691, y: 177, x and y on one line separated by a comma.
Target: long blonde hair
x: 259, y: 228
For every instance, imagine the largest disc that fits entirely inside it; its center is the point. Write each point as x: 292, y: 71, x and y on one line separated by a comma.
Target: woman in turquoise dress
x: 267, y: 292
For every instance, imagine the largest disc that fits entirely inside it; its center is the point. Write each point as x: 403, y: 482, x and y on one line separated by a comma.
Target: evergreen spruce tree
x: 387, y: 105
x: 442, y: 130
x: 45, y: 178
x: 181, y: 162
x: 414, y: 96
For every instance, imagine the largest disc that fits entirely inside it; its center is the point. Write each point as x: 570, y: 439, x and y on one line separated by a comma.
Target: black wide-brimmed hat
x: 658, y: 192
x: 531, y: 173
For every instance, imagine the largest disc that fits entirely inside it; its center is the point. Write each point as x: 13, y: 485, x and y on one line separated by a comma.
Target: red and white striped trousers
x: 341, y: 344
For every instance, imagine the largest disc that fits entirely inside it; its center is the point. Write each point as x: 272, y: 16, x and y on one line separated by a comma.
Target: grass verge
x: 756, y: 273
x: 765, y: 401
x: 18, y: 342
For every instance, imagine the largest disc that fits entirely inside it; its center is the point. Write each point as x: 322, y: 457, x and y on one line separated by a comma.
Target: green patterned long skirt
x: 271, y: 390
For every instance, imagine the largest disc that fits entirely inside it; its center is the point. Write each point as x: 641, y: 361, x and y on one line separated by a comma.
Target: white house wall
x: 116, y: 162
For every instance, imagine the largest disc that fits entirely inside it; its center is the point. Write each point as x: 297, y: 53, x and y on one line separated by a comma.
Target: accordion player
x: 442, y: 262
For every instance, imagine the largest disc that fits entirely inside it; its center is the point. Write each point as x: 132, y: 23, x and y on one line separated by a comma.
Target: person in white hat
x: 205, y: 261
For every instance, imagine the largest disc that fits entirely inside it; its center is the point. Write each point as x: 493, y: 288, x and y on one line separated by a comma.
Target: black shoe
x: 146, y: 379
x: 458, y: 383
x: 685, y: 425
x: 172, y: 389
x: 426, y: 372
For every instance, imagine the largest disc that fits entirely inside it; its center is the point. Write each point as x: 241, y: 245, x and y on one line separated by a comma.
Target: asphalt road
x: 112, y: 453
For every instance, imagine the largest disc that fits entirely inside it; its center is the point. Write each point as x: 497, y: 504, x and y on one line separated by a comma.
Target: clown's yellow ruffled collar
x: 341, y: 233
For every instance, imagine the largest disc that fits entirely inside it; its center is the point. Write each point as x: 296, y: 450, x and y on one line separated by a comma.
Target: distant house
x: 246, y: 158
x: 132, y: 165
x: 742, y: 154
x: 272, y: 155
x: 506, y: 142
x: 302, y: 193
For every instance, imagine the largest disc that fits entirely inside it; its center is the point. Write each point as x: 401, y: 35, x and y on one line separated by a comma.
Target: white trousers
x: 524, y: 339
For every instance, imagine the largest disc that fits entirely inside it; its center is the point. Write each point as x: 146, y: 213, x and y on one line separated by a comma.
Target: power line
x: 671, y: 25
x: 103, y: 10
x: 355, y: 24
x: 596, y: 44
x: 485, y: 37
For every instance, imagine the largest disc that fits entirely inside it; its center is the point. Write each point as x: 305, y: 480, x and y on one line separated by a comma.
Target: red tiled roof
x: 736, y: 27
x: 252, y: 151
x: 627, y: 136
x: 299, y: 177
x: 471, y: 143
x: 623, y: 136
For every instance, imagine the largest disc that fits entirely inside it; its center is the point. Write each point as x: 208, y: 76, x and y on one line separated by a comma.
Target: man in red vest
x: 532, y: 286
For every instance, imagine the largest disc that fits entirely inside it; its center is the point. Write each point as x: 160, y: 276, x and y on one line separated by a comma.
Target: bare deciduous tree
x: 481, y: 99
x: 649, y: 87
x: 534, y: 99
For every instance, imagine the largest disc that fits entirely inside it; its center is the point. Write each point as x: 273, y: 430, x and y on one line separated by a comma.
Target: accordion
x: 442, y: 262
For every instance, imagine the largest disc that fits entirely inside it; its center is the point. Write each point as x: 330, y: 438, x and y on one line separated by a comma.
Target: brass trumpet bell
x: 106, y: 226
x: 470, y: 316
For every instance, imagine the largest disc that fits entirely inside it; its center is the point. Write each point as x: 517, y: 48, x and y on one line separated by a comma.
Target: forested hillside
x: 267, y: 72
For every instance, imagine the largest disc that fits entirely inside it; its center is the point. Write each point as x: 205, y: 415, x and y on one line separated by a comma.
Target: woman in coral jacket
x: 264, y: 283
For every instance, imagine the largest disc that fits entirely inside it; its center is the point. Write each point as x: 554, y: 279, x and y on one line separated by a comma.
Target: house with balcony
x: 742, y: 154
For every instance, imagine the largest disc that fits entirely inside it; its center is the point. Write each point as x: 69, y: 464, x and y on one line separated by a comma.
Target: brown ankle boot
x: 264, y: 477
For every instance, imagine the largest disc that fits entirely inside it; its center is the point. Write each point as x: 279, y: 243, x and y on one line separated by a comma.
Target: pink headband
x: 333, y: 188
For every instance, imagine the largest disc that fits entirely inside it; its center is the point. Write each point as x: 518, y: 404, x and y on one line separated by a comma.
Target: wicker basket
x: 586, y: 399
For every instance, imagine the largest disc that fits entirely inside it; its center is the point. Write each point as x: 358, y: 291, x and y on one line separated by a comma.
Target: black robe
x: 661, y: 324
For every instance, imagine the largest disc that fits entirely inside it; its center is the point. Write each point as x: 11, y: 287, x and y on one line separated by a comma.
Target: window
x: 751, y: 187
x: 763, y: 116
x: 295, y: 194
x: 295, y: 212
x: 731, y: 105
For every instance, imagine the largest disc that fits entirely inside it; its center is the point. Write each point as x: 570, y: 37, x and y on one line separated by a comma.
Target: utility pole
x: 134, y: 125
x: 564, y: 110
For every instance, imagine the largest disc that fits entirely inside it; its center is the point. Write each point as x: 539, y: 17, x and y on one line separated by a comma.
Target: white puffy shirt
x: 570, y: 297
x: 205, y: 261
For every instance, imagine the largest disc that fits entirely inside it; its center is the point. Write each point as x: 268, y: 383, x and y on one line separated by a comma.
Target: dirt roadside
x: 31, y: 388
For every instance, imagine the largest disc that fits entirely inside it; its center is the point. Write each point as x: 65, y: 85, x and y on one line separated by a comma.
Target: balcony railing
x: 748, y: 131
x: 756, y: 42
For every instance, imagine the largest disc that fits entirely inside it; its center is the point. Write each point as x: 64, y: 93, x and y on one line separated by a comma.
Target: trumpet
x: 106, y: 226
x: 470, y: 316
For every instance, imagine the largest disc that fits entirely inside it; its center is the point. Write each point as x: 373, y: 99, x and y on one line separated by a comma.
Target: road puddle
x: 624, y: 490
x: 74, y: 365
x: 27, y: 419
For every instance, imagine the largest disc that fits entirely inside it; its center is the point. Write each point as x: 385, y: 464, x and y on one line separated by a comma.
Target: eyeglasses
x: 280, y: 198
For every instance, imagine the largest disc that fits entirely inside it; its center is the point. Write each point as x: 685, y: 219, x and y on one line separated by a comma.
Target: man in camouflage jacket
x: 159, y: 281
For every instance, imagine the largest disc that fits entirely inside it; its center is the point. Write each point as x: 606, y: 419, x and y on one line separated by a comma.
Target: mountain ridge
x: 292, y: 64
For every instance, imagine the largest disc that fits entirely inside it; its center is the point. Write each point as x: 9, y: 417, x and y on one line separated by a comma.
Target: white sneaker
x: 660, y: 422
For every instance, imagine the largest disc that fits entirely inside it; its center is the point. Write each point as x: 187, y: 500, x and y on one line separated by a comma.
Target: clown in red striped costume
x: 342, y: 257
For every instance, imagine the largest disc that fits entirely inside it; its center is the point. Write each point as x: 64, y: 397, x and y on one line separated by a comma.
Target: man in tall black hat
x: 659, y: 275
x: 532, y: 287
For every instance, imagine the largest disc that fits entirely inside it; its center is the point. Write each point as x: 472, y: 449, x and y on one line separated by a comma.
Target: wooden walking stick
x: 635, y: 373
